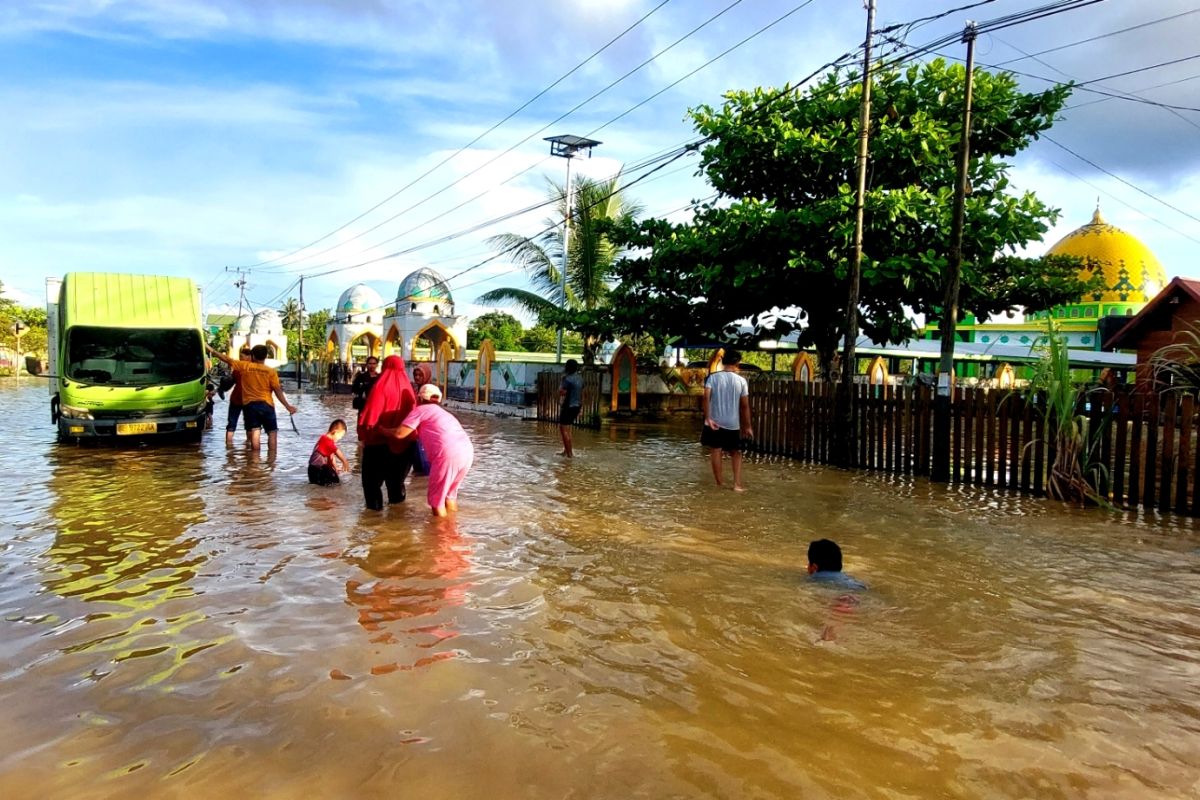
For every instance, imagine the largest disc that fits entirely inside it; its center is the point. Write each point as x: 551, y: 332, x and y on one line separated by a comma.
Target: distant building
x: 1170, y: 318
x: 357, y: 319
x: 424, y: 319
x: 264, y: 327
x: 1132, y: 276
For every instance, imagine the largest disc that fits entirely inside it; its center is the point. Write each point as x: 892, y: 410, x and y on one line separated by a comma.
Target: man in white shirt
x: 727, y: 417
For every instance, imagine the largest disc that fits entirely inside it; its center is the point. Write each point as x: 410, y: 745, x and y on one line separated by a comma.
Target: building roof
x: 423, y: 285
x: 1131, y: 272
x: 359, y: 299
x: 1127, y: 337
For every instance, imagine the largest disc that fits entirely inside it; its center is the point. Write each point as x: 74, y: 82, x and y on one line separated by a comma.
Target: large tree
x: 589, y: 263
x: 775, y: 247
x: 503, y: 329
x: 33, y: 338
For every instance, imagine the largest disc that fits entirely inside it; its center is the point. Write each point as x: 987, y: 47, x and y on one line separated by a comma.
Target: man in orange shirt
x: 258, y: 383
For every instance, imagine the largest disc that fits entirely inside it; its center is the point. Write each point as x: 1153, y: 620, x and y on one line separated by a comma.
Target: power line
x: 442, y: 214
x: 462, y: 149
x: 558, y: 119
x: 1115, y: 176
x: 1098, y: 37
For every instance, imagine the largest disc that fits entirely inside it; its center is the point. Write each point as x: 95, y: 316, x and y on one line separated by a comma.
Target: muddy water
x: 183, y: 622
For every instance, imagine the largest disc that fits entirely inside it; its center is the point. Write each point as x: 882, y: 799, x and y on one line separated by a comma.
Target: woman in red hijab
x: 384, y: 459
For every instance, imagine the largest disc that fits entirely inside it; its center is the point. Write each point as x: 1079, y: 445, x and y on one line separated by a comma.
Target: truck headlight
x: 71, y: 412
x: 188, y: 410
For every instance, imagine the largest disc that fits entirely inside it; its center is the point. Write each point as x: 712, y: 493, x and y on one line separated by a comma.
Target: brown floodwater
x: 195, y: 622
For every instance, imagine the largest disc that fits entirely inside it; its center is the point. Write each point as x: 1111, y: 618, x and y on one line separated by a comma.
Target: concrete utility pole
x: 949, y: 320
x: 566, y: 147
x: 845, y: 428
x: 240, y: 283
x: 300, y: 341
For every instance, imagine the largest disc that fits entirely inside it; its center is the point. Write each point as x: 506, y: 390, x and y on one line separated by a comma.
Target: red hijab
x: 390, y: 401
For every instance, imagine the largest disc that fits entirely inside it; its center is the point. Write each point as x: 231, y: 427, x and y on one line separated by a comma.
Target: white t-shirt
x: 727, y: 391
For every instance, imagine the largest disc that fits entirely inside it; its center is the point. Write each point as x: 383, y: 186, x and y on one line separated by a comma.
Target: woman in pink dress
x: 446, y: 445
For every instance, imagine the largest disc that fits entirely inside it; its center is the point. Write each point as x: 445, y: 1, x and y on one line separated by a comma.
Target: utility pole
x: 949, y: 320
x: 845, y: 405
x: 300, y: 342
x: 240, y: 283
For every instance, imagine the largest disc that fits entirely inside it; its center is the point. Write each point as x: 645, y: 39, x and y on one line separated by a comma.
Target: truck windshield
x: 133, y: 357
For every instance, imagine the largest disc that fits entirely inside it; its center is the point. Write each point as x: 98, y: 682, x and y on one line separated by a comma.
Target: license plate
x: 134, y: 428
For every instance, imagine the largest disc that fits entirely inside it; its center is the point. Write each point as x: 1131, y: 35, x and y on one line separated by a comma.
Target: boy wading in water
x: 258, y: 383
x: 726, y: 417
x: 571, y: 394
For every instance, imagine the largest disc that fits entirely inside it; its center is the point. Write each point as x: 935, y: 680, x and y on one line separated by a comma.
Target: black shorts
x: 260, y: 415
x: 323, y: 476
x: 235, y: 411
x: 568, y: 415
x: 721, y: 439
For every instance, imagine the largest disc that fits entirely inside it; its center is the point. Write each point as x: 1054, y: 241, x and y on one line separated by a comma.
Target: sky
x: 299, y: 137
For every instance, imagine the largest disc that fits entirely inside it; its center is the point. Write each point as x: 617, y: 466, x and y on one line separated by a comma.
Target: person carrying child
x: 322, y: 468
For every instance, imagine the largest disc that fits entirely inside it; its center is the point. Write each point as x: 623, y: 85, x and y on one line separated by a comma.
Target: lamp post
x: 566, y: 147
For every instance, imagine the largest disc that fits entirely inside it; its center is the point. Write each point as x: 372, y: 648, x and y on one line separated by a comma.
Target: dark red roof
x: 1127, y: 336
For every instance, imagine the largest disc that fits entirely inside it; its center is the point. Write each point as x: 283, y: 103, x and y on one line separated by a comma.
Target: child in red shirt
x: 321, y: 467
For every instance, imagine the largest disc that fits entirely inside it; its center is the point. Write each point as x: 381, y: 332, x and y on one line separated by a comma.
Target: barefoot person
x: 446, y: 444
x: 726, y: 417
x: 384, y: 460
x: 259, y: 384
x: 571, y: 394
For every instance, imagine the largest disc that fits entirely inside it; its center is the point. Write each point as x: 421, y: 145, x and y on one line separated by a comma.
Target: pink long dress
x: 447, y: 447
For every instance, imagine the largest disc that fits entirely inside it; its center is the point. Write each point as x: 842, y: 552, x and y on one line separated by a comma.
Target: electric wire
x: 542, y: 129
x: 468, y: 201
x: 474, y: 141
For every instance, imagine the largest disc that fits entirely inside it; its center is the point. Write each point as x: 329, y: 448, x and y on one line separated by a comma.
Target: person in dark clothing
x: 570, y: 393
x: 385, y: 460
x: 363, y: 382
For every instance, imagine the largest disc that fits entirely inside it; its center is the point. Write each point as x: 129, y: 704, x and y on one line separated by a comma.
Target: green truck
x: 126, y: 356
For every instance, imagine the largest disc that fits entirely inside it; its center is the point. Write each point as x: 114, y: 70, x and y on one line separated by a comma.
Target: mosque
x: 1132, y: 277
x: 419, y: 326
x: 262, y: 327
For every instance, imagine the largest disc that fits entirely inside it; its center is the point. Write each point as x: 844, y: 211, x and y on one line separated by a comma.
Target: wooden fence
x: 1144, y: 449
x: 548, y: 401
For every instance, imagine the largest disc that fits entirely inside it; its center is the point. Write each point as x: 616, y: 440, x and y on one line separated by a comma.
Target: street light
x: 566, y: 147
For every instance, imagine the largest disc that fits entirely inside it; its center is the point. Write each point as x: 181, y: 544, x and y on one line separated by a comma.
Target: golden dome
x: 1131, y: 272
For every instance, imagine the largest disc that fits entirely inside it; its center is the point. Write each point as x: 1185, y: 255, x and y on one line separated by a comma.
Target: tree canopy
x: 33, y: 340
x: 503, y: 329
x: 775, y: 247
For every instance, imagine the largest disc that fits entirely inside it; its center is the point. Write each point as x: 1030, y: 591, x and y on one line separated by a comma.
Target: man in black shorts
x: 571, y: 394
x: 726, y: 417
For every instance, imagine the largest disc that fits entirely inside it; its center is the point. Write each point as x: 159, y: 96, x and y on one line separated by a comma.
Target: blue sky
x: 180, y: 136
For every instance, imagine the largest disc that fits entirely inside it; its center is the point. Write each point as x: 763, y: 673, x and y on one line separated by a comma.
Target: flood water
x: 195, y: 622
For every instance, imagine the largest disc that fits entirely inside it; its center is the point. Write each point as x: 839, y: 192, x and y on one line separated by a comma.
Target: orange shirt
x: 256, y: 381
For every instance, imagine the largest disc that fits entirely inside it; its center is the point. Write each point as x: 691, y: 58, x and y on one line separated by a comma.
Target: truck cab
x: 127, y: 356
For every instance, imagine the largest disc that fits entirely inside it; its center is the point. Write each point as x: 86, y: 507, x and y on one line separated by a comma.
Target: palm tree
x: 589, y: 263
x: 290, y: 313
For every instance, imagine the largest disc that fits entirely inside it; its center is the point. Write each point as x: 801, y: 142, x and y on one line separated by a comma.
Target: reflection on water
x: 184, y: 623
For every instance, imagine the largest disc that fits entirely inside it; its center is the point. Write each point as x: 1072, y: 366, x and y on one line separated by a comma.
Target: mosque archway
x: 364, y: 346
x: 877, y: 372
x: 428, y: 341
x: 441, y: 374
x: 714, y: 363
x: 624, y: 378
x: 483, y: 370
x: 803, y: 368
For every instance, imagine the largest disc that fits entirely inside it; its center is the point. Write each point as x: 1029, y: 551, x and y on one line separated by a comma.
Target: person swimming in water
x: 825, y: 566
